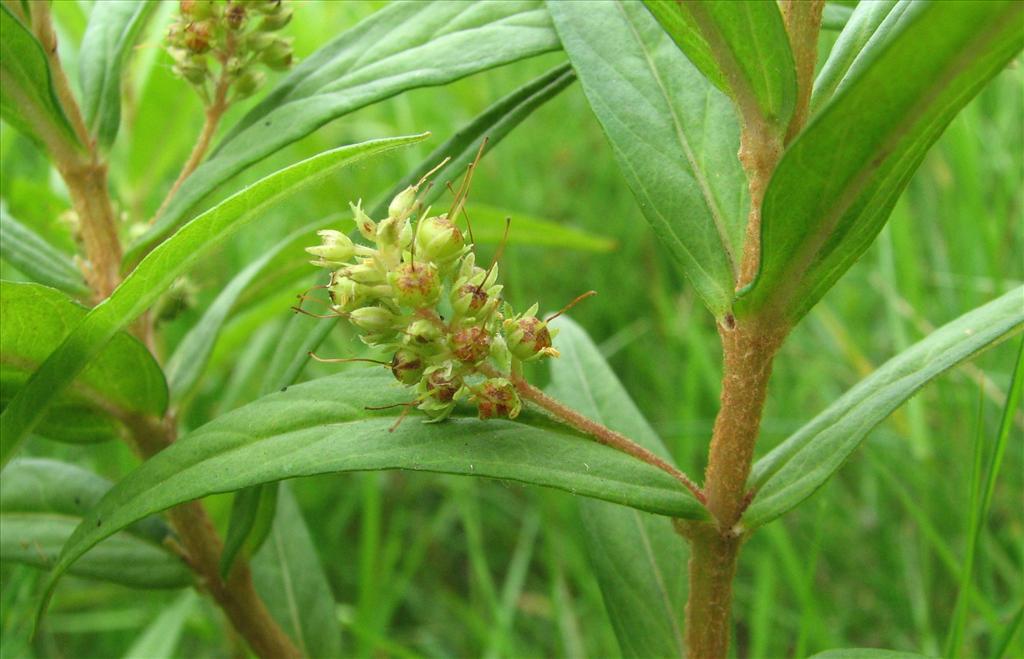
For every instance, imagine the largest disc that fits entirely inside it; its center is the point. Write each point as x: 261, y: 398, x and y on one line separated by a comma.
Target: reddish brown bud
x: 471, y: 344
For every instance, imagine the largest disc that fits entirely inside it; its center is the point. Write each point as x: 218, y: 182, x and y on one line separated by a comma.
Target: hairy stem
x: 803, y: 23
x: 712, y: 568
x: 600, y: 433
x: 85, y: 173
x: 236, y: 596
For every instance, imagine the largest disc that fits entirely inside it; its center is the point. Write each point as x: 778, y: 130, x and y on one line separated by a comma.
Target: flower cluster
x: 419, y: 293
x: 236, y: 36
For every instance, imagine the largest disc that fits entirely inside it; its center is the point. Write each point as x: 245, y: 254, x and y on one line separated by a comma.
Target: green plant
x: 763, y: 181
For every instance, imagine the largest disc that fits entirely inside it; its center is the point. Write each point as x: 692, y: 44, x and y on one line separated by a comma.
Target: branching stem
x: 600, y: 433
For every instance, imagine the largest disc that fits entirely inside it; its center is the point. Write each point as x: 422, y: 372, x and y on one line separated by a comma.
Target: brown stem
x: 87, y: 185
x: 803, y: 23
x: 600, y: 433
x: 760, y: 151
x: 712, y: 568
x: 237, y: 596
x: 85, y: 173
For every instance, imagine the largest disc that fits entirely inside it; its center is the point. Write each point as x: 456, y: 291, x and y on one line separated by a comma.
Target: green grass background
x: 424, y: 565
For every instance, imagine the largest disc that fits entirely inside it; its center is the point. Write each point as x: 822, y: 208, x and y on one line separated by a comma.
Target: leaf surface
x: 866, y: 653
x: 114, y: 26
x: 742, y: 47
x: 157, y: 272
x: 795, y: 469
x: 323, y: 426
x: 674, y: 135
x: 28, y: 100
x: 29, y: 252
x: 639, y: 560
x: 37, y: 319
x: 43, y: 501
x: 837, y: 183
x: 289, y: 576
x: 404, y: 46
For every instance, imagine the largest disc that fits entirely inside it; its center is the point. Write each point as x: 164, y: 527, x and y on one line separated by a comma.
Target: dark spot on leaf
x: 284, y: 388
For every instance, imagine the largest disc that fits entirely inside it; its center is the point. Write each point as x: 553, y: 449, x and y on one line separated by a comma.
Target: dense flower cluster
x: 237, y: 36
x: 419, y: 293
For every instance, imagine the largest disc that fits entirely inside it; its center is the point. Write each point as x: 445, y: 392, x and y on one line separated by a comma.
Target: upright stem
x: 236, y: 596
x: 87, y: 185
x: 712, y: 568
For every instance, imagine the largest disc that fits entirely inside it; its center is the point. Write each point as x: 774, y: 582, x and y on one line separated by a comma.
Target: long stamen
x: 412, y: 403
x: 315, y: 315
x: 432, y: 171
x: 345, y: 360
x: 579, y: 298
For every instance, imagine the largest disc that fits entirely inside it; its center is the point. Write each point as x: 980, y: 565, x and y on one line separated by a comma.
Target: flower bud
x: 438, y: 388
x: 193, y: 69
x: 278, y: 54
x: 528, y: 337
x: 471, y: 345
x: 257, y: 41
x: 276, y: 20
x: 197, y: 37
x: 367, y: 227
x: 424, y: 336
x: 374, y: 319
x: 416, y: 284
x: 407, y: 366
x: 337, y: 248
x: 496, y: 397
x: 439, y: 240
x: 197, y: 10
x: 248, y: 82
x: 363, y: 273
x: 404, y: 203
x: 234, y: 15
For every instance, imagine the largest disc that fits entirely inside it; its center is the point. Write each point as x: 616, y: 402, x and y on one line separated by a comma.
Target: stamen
x: 432, y: 171
x: 579, y: 298
x: 345, y: 360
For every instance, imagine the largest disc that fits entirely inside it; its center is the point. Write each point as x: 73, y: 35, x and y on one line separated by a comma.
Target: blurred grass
x: 440, y: 566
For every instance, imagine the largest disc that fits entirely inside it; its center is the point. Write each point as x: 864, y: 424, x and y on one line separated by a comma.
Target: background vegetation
x: 422, y: 564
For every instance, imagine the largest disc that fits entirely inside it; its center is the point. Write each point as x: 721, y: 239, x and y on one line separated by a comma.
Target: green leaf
x: 193, y: 352
x: 639, y: 560
x: 489, y: 227
x: 742, y: 47
x: 795, y: 469
x: 30, y: 253
x: 674, y: 135
x: 404, y: 46
x: 123, y: 378
x: 43, y: 501
x: 289, y: 576
x: 866, y: 653
x: 114, y: 26
x: 859, y: 30
x: 157, y: 272
x: 252, y: 513
x: 835, y: 17
x: 28, y: 100
x: 494, y: 123
x: 836, y: 184
x: 323, y: 426
x: 161, y: 637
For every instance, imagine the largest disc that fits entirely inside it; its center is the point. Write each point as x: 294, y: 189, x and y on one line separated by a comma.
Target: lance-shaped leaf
x: 835, y: 186
x: 157, y: 272
x: 290, y: 577
x: 639, y: 560
x: 324, y: 426
x: 28, y: 100
x: 404, y: 46
x: 866, y: 653
x: 674, y: 135
x: 793, y: 470
x: 29, y: 252
x: 124, y: 378
x: 43, y: 501
x: 865, y: 20
x: 494, y: 123
x: 113, y: 28
x: 742, y: 47
x: 190, y: 357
